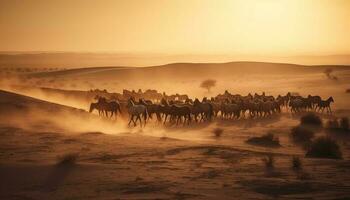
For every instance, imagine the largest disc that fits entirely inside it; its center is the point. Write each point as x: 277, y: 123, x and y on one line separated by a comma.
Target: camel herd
x: 224, y: 106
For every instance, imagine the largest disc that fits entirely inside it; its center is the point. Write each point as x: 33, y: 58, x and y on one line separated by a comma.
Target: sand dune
x: 156, y: 162
x: 44, y: 118
x: 31, y: 114
x: 190, y: 70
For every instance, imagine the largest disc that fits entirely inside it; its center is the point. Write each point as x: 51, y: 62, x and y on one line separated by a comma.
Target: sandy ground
x: 114, y: 161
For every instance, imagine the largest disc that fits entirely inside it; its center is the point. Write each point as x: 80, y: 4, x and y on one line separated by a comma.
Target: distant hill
x: 80, y: 60
x: 188, y: 70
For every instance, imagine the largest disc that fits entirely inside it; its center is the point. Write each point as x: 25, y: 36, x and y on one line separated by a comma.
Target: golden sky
x: 263, y: 27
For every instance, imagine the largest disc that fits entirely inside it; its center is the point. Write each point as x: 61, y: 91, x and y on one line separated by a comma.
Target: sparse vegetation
x: 67, y: 159
x: 269, y: 140
x: 324, y: 147
x: 336, y: 124
x: 300, y: 134
x: 296, y: 163
x: 218, y: 132
x: 311, y: 119
x: 208, y: 84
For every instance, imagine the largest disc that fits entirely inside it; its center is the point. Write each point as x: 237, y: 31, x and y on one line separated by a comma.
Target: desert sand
x: 106, y: 159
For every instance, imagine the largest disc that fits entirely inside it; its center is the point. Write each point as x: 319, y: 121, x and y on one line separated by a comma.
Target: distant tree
x: 208, y: 84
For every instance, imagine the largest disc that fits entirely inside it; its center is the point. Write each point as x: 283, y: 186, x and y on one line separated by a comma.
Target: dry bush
x: 324, y: 147
x: 341, y: 125
x: 347, y: 90
x: 311, y: 119
x: 296, y: 163
x: 300, y: 134
x: 218, y: 132
x: 269, y: 140
x: 67, y: 159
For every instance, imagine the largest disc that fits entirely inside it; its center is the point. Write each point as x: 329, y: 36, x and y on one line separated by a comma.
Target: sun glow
x: 196, y: 26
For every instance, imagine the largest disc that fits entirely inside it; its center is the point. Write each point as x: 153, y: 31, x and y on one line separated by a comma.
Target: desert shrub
x: 300, y: 134
x: 218, y: 132
x: 324, y: 147
x: 269, y: 161
x: 67, y: 159
x: 347, y: 90
x: 338, y: 124
x: 296, y: 163
x: 311, y: 119
x: 344, y: 123
x: 269, y: 139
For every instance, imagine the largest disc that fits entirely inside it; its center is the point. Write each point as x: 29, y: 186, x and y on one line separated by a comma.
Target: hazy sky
x: 272, y: 27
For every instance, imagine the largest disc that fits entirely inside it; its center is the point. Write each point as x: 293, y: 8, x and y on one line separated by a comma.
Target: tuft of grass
x: 67, y: 159
x: 296, y: 163
x: 269, y: 139
x: 300, y: 134
x: 269, y: 161
x: 324, y: 147
x: 311, y: 119
x: 218, y: 132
